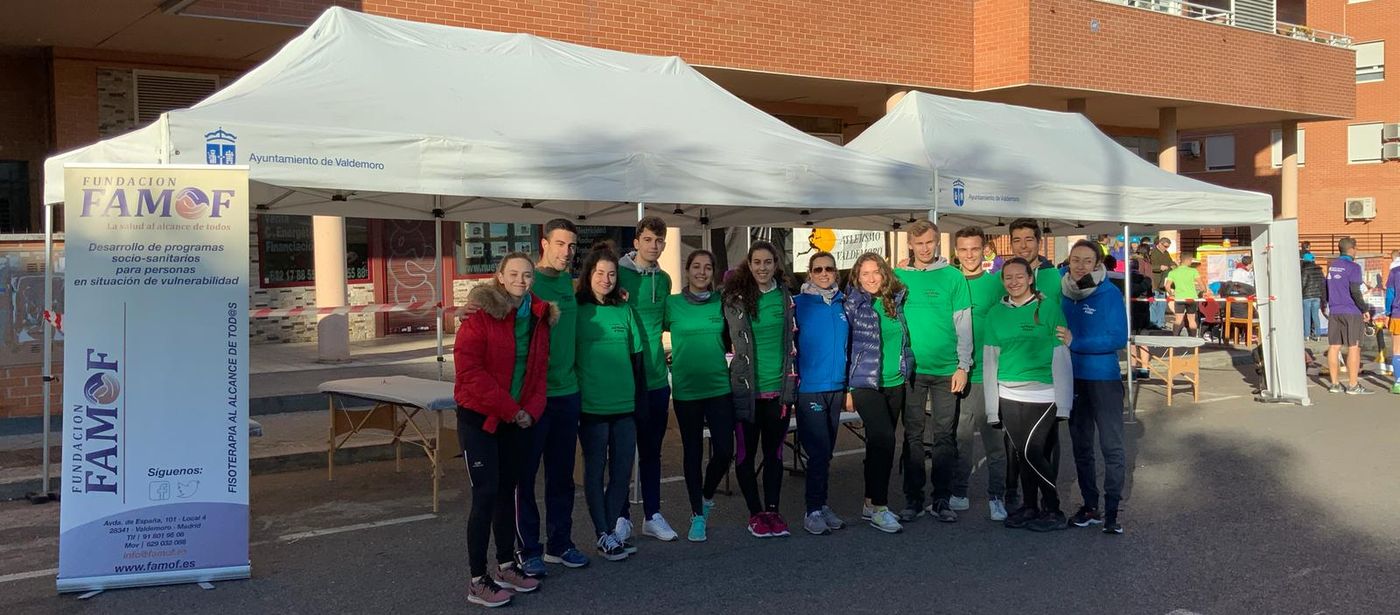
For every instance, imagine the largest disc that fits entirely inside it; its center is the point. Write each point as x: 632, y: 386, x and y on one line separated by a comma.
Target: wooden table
x: 1173, y: 360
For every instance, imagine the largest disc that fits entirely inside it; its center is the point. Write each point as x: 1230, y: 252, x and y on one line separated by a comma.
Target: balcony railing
x: 1305, y: 33
x: 1211, y: 14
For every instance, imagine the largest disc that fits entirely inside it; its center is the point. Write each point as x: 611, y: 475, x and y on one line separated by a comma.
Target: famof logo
x: 191, y: 203
x: 102, y: 388
x: 959, y: 193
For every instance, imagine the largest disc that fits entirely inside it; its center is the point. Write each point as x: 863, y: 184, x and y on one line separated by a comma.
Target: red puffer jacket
x: 485, y: 357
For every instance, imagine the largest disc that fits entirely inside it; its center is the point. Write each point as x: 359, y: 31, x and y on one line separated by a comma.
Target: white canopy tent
x: 994, y: 162
x: 366, y: 116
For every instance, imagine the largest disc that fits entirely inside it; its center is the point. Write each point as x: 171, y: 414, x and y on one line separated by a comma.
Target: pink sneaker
x: 777, y: 526
x: 485, y: 592
x: 512, y: 578
x: 758, y: 526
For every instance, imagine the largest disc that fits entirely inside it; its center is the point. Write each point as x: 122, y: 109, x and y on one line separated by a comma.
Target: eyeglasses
x: 823, y: 270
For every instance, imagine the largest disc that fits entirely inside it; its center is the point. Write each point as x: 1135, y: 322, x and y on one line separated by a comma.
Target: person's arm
x: 533, y: 392
x: 1108, y: 333
x: 469, y: 358
x: 991, y: 393
x: 1062, y: 371
x: 1354, y: 285
x: 1390, y: 284
x: 962, y: 324
x: 1168, y: 286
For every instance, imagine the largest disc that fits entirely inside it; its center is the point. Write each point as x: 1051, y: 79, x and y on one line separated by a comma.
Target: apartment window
x: 1220, y: 152
x: 1277, y: 138
x: 1370, y: 61
x: 1364, y: 143
x: 14, y: 198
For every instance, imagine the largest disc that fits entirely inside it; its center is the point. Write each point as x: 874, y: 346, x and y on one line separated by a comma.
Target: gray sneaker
x: 1336, y: 388
x: 910, y: 513
x: 940, y: 511
x: 832, y: 521
x: 885, y: 521
x: 1359, y: 390
x: 996, y: 509
x: 959, y: 503
x: 815, y: 524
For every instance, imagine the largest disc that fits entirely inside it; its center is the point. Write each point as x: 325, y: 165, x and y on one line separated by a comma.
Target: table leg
x: 433, y: 457
x: 330, y: 441
x: 1196, y: 374
x: 1171, y: 373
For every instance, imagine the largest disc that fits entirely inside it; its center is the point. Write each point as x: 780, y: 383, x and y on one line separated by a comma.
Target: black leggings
x: 880, y: 411
x: 691, y: 418
x: 769, y: 424
x: 1033, y: 433
x: 493, y: 464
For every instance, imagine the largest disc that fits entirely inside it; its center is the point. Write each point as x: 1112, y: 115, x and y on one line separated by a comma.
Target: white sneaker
x: 996, y: 509
x: 957, y: 503
x: 623, y: 530
x: 885, y: 521
x: 867, y: 511
x: 658, y: 528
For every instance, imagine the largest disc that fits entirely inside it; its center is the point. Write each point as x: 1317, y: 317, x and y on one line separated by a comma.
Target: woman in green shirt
x: 700, y: 385
x: 609, y: 367
x: 758, y: 313
x: 1028, y: 383
x: 880, y: 363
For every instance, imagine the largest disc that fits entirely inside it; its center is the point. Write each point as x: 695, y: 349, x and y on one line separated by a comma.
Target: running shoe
x: 510, y: 577
x: 959, y: 503
x: 996, y: 509
x: 758, y: 526
x: 1395, y: 389
x: 1087, y: 516
x: 867, y: 511
x: 777, y: 525
x: 487, y: 593
x: 1336, y: 388
x: 623, y: 529
x: 940, y: 511
x: 570, y: 558
x: 885, y: 521
x: 832, y: 521
x: 1110, y: 523
x: 533, y: 567
x: 658, y: 528
x: 697, y: 529
x: 1048, y: 521
x: 629, y: 546
x: 1359, y: 390
x: 610, y: 549
x: 815, y: 524
x: 908, y: 515
x: 1021, y: 517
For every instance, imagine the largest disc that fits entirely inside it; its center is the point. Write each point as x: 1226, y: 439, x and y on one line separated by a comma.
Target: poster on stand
x: 154, y: 475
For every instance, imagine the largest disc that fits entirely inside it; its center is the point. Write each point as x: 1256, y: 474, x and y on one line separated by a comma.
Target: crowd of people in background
x: 929, y: 353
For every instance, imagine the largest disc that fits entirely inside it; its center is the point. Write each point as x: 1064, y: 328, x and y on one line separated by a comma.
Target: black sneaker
x: 1020, y: 517
x: 1110, y: 523
x: 1087, y: 516
x: 910, y: 513
x: 1048, y: 521
x: 941, y: 511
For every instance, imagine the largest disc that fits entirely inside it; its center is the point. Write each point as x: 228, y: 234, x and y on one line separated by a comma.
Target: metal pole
x: 641, y: 210
x: 1128, y: 312
x: 933, y: 214
x: 47, y: 370
x: 437, y: 283
x: 705, y: 229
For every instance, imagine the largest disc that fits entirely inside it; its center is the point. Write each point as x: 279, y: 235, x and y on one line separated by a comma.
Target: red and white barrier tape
x: 373, y: 308
x: 54, y: 318
x: 1203, y: 300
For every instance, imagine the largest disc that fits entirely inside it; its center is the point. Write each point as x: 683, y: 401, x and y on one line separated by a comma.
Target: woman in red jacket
x: 502, y: 355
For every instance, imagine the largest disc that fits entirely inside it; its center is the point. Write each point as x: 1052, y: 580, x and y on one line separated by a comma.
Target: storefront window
x: 481, y: 245
x: 287, y: 255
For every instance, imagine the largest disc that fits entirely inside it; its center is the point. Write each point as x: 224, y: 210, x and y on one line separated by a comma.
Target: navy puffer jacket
x: 864, y: 364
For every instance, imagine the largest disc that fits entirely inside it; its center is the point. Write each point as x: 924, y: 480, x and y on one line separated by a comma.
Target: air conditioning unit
x: 1390, y: 151
x: 1361, y: 209
x: 1191, y: 149
x: 1390, y: 132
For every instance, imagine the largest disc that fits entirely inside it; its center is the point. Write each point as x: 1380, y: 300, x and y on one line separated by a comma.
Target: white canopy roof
x: 1002, y: 161
x: 370, y: 116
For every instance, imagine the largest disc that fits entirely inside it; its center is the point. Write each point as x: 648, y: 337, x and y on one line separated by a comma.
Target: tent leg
x: 438, y: 283
x: 46, y: 494
x: 705, y: 229
x: 1131, y: 397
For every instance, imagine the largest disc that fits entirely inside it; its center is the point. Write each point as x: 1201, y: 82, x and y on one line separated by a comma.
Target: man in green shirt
x: 647, y: 287
x: 555, y: 436
x: 985, y: 290
x: 939, y: 313
x: 1184, y: 286
x: 1025, y: 243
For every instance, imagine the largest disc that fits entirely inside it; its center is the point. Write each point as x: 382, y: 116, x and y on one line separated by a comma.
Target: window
x: 14, y: 198
x: 1220, y: 152
x: 287, y: 255
x: 1142, y: 147
x: 483, y: 245
x: 1364, y: 143
x: 1276, y: 137
x: 1370, y: 61
x: 158, y: 92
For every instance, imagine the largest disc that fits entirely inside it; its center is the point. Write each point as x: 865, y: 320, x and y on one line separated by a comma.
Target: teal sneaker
x: 697, y: 529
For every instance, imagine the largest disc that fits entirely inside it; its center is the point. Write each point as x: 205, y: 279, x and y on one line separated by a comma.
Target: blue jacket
x: 864, y: 371
x: 1099, y: 325
x: 822, y: 335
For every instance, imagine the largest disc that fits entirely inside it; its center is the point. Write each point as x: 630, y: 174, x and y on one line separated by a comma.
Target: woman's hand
x: 523, y: 419
x: 1065, y: 336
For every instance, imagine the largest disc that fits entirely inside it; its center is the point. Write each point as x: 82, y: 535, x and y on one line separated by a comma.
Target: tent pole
x: 641, y: 210
x: 44, y: 494
x: 1128, y: 312
x: 437, y: 284
x: 933, y: 213
x: 705, y: 229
